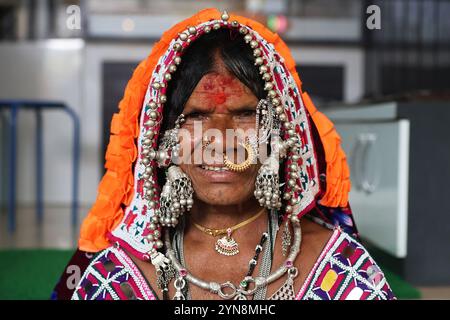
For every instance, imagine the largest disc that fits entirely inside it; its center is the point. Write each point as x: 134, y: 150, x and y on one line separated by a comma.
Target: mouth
x: 218, y: 168
x: 216, y: 173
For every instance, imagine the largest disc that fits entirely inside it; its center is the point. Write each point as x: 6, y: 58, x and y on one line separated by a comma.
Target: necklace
x: 182, y: 289
x: 228, y: 290
x: 267, y: 257
x: 177, y: 243
x: 227, y: 245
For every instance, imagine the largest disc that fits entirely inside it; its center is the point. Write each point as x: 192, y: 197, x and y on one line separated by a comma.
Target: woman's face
x: 219, y: 102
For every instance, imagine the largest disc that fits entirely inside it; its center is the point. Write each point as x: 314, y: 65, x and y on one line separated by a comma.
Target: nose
x: 218, y: 131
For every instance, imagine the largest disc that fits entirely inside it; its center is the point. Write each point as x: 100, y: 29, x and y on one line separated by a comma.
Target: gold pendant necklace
x: 226, y: 245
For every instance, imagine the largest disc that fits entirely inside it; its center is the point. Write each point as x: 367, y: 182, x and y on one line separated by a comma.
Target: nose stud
x: 205, y: 141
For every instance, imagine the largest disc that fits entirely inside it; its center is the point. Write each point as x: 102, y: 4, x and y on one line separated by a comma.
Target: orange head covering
x: 112, y: 212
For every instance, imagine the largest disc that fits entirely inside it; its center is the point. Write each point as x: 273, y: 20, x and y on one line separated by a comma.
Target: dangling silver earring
x: 169, y: 146
x: 177, y: 192
x: 267, y: 186
x: 265, y: 119
x: 176, y: 197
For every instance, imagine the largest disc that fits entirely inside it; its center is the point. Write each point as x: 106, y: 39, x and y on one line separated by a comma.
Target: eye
x: 246, y: 113
x: 195, y: 116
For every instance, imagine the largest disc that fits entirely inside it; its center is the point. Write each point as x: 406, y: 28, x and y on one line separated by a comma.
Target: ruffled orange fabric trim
x: 116, y: 187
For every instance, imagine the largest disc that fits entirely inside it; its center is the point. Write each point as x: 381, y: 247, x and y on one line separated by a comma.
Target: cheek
x: 188, y: 143
x: 246, y: 123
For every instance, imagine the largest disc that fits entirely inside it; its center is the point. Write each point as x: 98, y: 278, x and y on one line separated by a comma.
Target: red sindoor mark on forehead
x: 216, y: 91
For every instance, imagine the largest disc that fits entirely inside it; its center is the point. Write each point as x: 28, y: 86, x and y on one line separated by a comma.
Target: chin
x: 222, y: 195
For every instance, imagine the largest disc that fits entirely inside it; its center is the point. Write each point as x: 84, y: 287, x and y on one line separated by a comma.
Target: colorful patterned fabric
x: 335, y: 218
x: 112, y: 275
x: 343, y: 271
x: 71, y: 276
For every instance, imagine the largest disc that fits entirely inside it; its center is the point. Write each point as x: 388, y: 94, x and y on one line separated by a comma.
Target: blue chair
x: 14, y: 106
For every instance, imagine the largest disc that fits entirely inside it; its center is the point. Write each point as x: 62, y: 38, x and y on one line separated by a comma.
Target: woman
x: 261, y: 214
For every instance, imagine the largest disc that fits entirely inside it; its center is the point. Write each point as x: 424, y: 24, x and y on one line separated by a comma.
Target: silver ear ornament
x: 177, y: 192
x: 169, y: 145
x: 265, y: 118
x: 267, y: 185
x: 176, y: 197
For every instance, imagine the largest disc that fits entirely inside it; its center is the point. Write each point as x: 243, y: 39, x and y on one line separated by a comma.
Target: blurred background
x: 379, y: 69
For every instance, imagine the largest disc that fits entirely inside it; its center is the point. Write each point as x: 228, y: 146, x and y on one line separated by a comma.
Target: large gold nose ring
x: 240, y: 167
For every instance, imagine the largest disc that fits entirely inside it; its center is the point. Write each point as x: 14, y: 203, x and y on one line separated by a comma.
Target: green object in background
x: 32, y: 274
x: 401, y: 288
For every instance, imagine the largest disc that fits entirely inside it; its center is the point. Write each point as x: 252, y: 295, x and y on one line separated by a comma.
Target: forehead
x: 219, y: 91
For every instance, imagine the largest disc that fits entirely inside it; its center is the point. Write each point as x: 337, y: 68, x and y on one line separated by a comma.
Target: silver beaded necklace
x: 266, y: 263
x: 286, y: 291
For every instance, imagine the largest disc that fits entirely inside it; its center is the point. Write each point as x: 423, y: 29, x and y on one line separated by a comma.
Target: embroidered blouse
x: 343, y: 271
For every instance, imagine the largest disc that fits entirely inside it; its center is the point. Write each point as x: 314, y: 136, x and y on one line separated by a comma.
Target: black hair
x: 199, y: 59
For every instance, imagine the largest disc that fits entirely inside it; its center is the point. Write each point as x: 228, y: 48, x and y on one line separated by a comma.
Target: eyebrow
x: 196, y: 109
x: 193, y: 109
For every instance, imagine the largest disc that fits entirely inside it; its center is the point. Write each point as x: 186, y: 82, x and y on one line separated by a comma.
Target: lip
x: 215, y: 165
x: 217, y: 176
